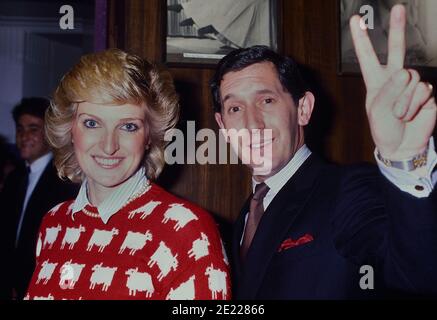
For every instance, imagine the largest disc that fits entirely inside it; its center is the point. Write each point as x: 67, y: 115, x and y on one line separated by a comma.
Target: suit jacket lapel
x: 274, y: 225
x: 236, y: 238
x: 22, y: 182
x: 33, y: 214
x: 43, y: 184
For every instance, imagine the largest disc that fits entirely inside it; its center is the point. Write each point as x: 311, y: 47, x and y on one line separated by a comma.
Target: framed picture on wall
x: 203, y: 31
x: 421, y: 32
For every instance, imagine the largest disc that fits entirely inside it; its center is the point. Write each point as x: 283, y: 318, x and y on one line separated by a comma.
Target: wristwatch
x: 408, y: 165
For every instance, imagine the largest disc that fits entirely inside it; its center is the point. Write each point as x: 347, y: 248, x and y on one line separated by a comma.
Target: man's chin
x: 264, y: 170
x: 27, y: 158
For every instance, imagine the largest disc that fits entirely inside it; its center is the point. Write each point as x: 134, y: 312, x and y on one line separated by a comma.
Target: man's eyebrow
x: 262, y: 91
x: 30, y: 126
x: 227, y: 97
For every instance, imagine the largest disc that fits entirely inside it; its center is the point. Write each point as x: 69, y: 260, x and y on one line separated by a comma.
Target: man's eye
x: 268, y: 100
x: 89, y: 123
x: 130, y: 127
x: 234, y: 109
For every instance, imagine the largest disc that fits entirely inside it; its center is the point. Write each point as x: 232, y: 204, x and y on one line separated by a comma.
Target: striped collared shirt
x: 277, y: 181
x: 117, y: 199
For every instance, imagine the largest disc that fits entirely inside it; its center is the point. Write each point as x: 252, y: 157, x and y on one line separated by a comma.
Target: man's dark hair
x: 35, y: 106
x: 287, y: 68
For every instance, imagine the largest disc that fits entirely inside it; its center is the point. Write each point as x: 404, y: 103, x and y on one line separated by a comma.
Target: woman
x: 123, y: 237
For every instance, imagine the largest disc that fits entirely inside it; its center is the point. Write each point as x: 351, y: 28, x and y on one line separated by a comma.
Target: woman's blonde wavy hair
x: 112, y: 77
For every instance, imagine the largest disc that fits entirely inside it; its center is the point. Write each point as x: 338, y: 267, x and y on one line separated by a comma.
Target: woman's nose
x: 110, y: 143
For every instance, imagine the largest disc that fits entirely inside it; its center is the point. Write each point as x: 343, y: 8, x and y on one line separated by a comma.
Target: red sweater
x: 156, y: 247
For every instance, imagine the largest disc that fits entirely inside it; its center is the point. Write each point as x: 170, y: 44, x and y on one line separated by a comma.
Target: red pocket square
x: 290, y: 243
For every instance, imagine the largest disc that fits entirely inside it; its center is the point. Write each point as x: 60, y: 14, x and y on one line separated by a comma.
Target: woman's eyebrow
x: 122, y: 119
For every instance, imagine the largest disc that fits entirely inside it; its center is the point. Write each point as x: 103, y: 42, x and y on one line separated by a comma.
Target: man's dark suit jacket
x: 355, y: 217
x: 17, y: 266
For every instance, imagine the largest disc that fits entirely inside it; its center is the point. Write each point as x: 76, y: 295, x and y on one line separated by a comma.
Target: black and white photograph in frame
x: 204, y: 31
x: 421, y: 31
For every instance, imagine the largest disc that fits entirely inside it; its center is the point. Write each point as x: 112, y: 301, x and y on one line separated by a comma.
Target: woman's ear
x: 148, y: 143
x: 305, y: 108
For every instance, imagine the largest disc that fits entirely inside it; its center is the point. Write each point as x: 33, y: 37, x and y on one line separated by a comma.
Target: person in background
x: 28, y: 193
x: 122, y: 237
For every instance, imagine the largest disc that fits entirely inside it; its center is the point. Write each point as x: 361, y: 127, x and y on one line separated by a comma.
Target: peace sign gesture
x: 400, y: 108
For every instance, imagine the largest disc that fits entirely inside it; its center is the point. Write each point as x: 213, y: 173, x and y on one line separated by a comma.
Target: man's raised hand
x: 400, y: 108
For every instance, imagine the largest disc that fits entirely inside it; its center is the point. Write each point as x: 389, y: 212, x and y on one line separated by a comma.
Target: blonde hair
x: 112, y: 77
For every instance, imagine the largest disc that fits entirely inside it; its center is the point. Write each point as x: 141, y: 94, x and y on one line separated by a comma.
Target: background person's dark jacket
x: 18, y: 263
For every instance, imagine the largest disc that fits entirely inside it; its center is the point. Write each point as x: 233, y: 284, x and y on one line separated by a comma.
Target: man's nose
x: 25, y: 135
x: 254, y: 120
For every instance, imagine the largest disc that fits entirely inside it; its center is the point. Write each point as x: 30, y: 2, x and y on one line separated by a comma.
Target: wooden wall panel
x: 310, y: 32
x: 136, y: 26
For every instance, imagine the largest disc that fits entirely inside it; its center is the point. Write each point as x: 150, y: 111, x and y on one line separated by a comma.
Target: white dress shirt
x: 420, y: 187
x: 277, y: 181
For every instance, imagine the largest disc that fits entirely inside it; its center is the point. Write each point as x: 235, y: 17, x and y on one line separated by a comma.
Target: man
x: 319, y: 231
x: 29, y: 193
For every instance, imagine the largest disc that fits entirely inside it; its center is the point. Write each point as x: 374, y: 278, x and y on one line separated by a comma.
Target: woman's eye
x: 130, y: 127
x: 89, y: 123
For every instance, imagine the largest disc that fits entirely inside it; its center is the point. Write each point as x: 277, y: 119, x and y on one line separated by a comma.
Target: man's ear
x: 305, y: 108
x: 219, y: 120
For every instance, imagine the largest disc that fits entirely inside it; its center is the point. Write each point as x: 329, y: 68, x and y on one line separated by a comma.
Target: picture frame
x: 216, y: 27
x: 421, y: 41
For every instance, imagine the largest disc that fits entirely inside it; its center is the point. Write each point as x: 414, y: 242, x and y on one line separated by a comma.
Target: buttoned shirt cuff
x: 411, y: 182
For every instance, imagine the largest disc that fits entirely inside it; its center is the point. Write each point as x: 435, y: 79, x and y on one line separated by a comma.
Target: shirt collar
x: 39, y: 164
x: 277, y: 181
x: 116, y: 200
